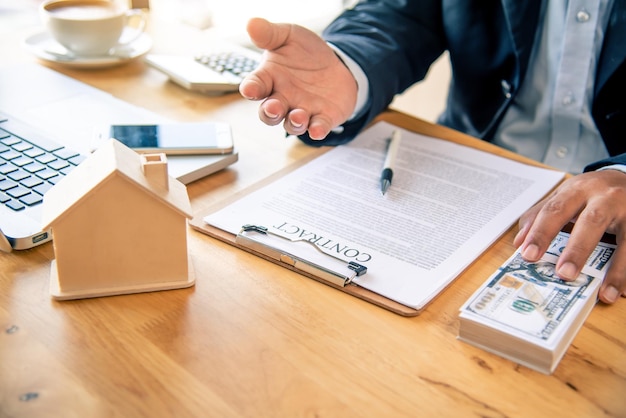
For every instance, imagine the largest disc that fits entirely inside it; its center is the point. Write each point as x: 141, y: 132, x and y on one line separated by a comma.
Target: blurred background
x: 226, y: 19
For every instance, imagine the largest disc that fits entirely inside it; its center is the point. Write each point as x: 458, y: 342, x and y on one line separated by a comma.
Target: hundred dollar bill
x: 597, y: 263
x: 529, y: 299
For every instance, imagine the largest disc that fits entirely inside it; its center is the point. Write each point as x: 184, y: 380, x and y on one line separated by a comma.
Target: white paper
x: 446, y: 205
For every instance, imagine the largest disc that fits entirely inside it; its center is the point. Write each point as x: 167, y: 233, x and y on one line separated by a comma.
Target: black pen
x: 392, y: 151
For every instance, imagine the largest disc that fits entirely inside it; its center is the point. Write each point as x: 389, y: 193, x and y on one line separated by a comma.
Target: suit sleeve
x: 394, y: 42
x: 617, y: 159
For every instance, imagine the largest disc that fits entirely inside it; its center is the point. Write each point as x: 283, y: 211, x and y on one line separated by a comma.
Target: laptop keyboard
x: 228, y: 62
x: 30, y: 163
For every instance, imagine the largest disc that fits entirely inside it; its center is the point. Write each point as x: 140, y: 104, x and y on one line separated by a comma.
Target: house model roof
x: 112, y: 160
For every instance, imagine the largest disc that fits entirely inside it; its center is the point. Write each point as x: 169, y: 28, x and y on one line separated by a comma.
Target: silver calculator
x: 213, y: 72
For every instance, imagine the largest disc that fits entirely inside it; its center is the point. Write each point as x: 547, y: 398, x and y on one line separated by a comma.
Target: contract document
x: 447, y: 204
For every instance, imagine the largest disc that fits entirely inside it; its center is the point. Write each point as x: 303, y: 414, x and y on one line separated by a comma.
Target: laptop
x: 58, y: 114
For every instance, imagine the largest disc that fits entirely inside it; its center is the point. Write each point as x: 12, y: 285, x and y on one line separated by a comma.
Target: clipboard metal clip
x: 260, y: 239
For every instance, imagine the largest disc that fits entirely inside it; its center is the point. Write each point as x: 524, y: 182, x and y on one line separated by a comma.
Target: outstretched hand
x: 597, y: 202
x: 300, y: 80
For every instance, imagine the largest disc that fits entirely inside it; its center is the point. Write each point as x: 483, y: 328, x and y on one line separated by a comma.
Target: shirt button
x: 582, y: 16
x: 561, y: 152
x: 506, y: 88
x: 568, y: 99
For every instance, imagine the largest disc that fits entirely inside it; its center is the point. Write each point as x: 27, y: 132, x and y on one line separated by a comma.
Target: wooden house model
x: 119, y: 225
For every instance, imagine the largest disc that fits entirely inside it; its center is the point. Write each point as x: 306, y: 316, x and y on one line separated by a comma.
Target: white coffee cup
x: 92, y: 27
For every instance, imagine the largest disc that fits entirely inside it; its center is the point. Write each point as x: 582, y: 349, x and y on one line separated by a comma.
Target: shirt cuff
x: 618, y: 167
x: 361, y: 81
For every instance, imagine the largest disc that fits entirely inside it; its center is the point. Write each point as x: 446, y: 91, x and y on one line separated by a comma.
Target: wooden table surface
x: 252, y: 339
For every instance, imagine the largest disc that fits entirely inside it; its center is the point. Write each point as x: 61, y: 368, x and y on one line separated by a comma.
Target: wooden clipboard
x: 394, y: 117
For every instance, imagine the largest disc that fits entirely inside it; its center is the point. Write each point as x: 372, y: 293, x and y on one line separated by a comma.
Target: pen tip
x: 384, y: 185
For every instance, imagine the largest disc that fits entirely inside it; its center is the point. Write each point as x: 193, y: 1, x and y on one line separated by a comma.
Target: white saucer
x: 47, y: 49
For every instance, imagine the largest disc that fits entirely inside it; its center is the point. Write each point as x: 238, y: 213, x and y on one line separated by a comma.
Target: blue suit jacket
x: 489, y: 42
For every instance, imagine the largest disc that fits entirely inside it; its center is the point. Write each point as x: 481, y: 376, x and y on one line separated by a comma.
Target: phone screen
x: 177, y: 138
x: 173, y: 136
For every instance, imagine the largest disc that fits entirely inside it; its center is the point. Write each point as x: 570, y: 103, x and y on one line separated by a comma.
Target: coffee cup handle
x: 131, y: 33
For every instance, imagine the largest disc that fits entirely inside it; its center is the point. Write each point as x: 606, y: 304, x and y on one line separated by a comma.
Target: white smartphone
x: 179, y: 138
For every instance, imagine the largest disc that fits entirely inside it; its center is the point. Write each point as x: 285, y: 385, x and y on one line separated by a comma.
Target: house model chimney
x: 154, y: 167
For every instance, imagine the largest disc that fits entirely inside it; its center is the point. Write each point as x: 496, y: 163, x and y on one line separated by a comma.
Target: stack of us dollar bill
x: 525, y: 313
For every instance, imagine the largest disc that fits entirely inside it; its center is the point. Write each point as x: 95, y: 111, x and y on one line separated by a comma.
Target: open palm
x: 300, y: 80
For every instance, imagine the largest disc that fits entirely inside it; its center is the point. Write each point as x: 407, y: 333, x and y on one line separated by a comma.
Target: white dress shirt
x: 550, y: 118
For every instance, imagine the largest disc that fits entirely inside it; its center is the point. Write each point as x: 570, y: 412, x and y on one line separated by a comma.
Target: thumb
x: 267, y: 35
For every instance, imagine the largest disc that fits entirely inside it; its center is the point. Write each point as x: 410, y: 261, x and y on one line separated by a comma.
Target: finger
x: 556, y: 211
x: 553, y: 213
x: 257, y: 85
x: 525, y: 222
x: 253, y: 88
x: 615, y: 281
x: 272, y: 111
x: 319, y: 127
x: 296, y: 122
x: 591, y: 224
x: 267, y: 35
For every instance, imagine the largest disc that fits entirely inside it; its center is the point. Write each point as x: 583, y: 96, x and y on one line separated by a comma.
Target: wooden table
x: 253, y: 339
